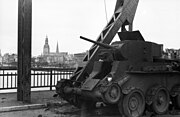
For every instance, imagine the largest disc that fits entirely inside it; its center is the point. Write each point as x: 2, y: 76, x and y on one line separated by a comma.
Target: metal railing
x: 40, y: 77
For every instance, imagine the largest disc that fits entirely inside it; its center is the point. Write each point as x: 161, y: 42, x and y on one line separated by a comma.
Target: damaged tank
x: 131, y: 74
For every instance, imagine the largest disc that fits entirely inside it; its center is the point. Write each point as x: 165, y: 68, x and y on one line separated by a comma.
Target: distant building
x: 46, y: 49
x: 53, y: 57
x: 1, y: 58
x: 172, y: 53
x: 9, y: 59
x: 79, y: 57
x: 6, y: 58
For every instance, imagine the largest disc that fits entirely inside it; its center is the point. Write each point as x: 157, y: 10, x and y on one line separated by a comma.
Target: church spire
x: 46, y: 49
x: 57, y: 48
x: 46, y: 41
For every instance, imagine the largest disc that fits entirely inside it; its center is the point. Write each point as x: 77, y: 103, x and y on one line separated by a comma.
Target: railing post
x: 3, y: 79
x: 51, y: 80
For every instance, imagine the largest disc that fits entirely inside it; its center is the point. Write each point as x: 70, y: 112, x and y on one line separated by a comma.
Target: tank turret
x: 131, y: 49
x: 108, y: 53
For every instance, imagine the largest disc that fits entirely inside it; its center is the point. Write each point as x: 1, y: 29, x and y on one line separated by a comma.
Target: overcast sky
x: 63, y: 21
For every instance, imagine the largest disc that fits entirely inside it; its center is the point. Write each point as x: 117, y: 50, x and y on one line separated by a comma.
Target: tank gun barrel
x: 98, y: 43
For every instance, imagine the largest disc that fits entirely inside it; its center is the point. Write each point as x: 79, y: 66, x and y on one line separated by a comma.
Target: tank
x: 131, y: 74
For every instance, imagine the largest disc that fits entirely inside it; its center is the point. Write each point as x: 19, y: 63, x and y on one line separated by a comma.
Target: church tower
x: 57, y: 49
x: 46, y: 49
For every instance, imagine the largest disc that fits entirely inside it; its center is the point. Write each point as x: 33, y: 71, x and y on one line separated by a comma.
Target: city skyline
x: 50, y: 50
x: 64, y: 21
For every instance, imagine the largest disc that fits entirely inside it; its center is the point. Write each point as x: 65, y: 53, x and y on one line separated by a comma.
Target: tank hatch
x: 134, y: 35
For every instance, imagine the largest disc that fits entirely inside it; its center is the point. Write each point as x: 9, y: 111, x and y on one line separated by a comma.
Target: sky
x: 63, y: 21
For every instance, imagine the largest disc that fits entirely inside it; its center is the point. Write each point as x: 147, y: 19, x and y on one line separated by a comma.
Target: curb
x: 20, y: 108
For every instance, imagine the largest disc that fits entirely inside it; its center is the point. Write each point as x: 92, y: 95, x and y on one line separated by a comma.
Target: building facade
x: 46, y: 49
x: 53, y: 57
x: 172, y: 53
x: 1, y: 59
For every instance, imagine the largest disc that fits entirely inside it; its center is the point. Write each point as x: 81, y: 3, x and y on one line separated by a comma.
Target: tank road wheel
x: 113, y: 94
x: 134, y: 103
x: 161, y: 100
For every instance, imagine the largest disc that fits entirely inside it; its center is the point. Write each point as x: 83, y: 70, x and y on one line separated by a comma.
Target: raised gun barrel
x: 98, y: 43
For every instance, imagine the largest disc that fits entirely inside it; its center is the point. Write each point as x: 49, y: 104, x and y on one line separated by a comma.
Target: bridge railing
x: 40, y: 77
